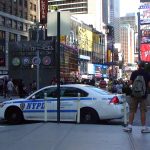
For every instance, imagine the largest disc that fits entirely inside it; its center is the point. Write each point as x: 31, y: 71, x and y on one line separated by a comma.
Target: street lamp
x: 36, y: 61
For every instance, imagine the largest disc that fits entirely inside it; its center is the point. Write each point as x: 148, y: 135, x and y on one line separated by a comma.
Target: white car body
x: 91, y: 101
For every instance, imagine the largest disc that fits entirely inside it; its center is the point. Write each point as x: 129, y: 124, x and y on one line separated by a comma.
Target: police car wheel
x: 14, y: 116
x: 88, y: 115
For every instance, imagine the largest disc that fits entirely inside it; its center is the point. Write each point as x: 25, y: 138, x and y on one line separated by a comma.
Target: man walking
x: 10, y: 88
x: 137, y: 99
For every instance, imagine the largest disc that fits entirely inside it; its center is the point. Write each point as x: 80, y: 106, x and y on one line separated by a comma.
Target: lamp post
x: 36, y: 60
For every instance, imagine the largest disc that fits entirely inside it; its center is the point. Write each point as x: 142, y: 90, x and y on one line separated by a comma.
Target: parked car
x: 94, y: 104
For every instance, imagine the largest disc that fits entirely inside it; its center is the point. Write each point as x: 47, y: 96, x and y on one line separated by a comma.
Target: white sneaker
x: 145, y: 130
x: 127, y: 129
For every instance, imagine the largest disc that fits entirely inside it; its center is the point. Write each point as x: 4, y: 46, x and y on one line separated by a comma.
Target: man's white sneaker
x: 145, y: 130
x: 127, y: 129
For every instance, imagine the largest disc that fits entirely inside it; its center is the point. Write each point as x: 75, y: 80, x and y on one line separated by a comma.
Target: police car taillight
x: 114, y: 100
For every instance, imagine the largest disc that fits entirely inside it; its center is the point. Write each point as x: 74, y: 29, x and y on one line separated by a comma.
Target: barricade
x: 78, y: 108
x: 45, y: 107
x: 125, y: 108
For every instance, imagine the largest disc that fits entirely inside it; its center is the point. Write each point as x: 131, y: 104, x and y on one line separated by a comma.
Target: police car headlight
x: 1, y: 105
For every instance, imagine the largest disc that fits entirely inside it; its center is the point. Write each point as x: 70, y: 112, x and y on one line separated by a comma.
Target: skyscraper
x: 115, y: 18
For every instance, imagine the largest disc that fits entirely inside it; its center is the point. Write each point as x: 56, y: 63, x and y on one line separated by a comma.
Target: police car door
x: 68, y: 103
x: 34, y: 107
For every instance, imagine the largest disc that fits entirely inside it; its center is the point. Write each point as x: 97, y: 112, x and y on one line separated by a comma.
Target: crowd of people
x: 9, y: 88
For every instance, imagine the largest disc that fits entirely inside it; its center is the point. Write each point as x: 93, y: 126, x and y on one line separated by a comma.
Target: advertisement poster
x: 145, y: 52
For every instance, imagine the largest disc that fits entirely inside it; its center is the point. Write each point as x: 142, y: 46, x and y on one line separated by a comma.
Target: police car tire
x: 14, y: 116
x: 88, y: 115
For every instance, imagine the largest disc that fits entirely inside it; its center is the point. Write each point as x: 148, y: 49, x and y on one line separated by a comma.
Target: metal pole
x: 45, y: 107
x: 139, y: 36
x: 37, y: 65
x: 58, y: 67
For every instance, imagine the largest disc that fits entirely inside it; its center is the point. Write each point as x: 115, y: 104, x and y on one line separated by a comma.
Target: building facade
x: 16, y: 17
x: 127, y: 44
x: 86, y: 30
x: 129, y: 21
x: 90, y: 12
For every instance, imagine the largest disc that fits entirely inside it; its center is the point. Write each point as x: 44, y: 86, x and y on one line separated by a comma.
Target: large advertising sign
x: 98, y: 70
x: 145, y: 52
x: 85, y: 39
x: 145, y: 36
x: 144, y: 14
x: 43, y: 11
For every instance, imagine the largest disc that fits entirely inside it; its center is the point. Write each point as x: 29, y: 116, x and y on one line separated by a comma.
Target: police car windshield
x: 99, y: 90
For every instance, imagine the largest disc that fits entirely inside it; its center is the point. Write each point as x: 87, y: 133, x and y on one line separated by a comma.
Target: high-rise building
x: 127, y: 43
x: 16, y: 17
x: 115, y: 18
x: 105, y: 11
x: 129, y: 23
x: 89, y: 11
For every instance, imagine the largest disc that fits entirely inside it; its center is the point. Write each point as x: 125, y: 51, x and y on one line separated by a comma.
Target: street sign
x: 36, y: 60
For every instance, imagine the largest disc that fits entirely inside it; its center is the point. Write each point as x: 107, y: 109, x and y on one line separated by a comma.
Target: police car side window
x: 51, y: 92
x: 82, y: 93
x: 39, y: 95
x: 73, y: 92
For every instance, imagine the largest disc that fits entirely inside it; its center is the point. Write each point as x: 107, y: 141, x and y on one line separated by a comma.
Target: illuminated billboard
x: 145, y: 52
x: 144, y: 14
x: 98, y: 70
x: 85, y: 39
x: 43, y: 11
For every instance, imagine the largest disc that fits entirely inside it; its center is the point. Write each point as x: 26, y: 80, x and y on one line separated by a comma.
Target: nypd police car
x: 94, y: 104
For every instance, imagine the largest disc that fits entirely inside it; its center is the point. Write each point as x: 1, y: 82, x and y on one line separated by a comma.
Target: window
x: 23, y: 38
x: 3, y: 6
x: 15, y: 11
x: 34, y: 19
x: 25, y: 27
x: 31, y: 6
x: 9, y: 10
x: 20, y: 2
x: 25, y: 15
x: 12, y: 37
x: 31, y: 17
x: 2, y: 20
x: 34, y: 7
x: 20, y: 13
x: 51, y: 92
x: 2, y: 35
x: 14, y: 24
x: 25, y: 3
x: 73, y: 92
x: 9, y: 23
x: 20, y: 26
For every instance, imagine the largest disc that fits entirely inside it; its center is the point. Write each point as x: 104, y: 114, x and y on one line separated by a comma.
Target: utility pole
x: 139, y: 36
x: 58, y: 66
x: 38, y: 57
